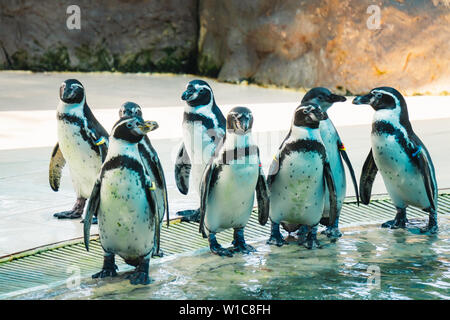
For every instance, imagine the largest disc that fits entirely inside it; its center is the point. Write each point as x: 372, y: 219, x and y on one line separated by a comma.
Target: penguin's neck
x: 233, y: 141
x: 204, y: 110
x: 119, y: 147
x: 302, y: 133
x: 389, y: 115
x: 76, y: 109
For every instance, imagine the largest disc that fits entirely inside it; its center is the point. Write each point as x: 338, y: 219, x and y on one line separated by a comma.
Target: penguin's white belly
x: 84, y: 163
x: 231, y: 199
x: 329, y: 137
x: 125, y: 223
x: 200, y: 148
x: 297, y: 194
x: 402, y: 179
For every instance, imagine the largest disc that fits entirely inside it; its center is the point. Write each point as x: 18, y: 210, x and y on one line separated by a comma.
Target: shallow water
x: 411, y: 265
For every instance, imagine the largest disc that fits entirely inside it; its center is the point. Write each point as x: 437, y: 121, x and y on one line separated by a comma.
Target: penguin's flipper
x: 152, y: 160
x: 262, y: 196
x: 96, y: 132
x: 329, y: 181
x: 182, y: 170
x: 91, y: 210
x: 368, y: 173
x: 153, y: 216
x: 57, y: 163
x: 160, y: 173
x: 273, y: 170
x: 204, y: 194
x: 424, y: 167
x: 350, y: 168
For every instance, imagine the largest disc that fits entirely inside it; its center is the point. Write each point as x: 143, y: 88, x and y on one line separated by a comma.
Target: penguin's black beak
x: 148, y: 126
x: 332, y: 98
x: 366, y: 99
x: 243, y: 124
x: 188, y: 95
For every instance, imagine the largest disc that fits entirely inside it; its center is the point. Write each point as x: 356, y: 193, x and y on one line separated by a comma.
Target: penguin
x: 336, y: 152
x: 401, y: 157
x: 82, y: 143
x: 203, y: 129
x: 124, y: 200
x: 229, y: 183
x: 153, y: 165
x: 299, y: 177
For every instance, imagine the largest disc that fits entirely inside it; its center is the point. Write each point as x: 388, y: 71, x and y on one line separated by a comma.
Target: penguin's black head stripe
x: 197, y: 93
x: 308, y: 115
x: 127, y: 129
x: 130, y: 109
x: 322, y: 96
x: 71, y: 91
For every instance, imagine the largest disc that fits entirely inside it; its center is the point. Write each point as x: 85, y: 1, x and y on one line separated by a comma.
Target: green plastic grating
x: 50, y: 265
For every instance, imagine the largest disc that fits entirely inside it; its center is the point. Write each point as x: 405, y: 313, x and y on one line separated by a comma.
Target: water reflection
x: 412, y: 266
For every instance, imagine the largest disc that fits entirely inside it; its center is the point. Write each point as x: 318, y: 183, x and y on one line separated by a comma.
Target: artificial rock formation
x: 133, y: 35
x: 340, y: 44
x: 331, y: 43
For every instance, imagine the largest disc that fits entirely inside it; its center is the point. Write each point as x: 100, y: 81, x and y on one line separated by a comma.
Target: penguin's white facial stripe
x: 373, y: 92
x: 76, y: 85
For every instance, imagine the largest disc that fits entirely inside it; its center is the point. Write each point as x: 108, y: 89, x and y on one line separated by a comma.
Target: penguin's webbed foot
x: 221, y: 251
x: 109, y: 267
x: 159, y: 253
x: 395, y: 224
x: 302, y: 234
x: 432, y: 227
x: 239, y: 244
x: 216, y: 248
x: 399, y: 221
x: 332, y: 233
x: 311, y: 241
x: 276, y: 237
x: 140, y: 274
x: 243, y: 248
x: 139, y: 277
x: 71, y: 214
x: 110, y: 272
x: 189, y: 215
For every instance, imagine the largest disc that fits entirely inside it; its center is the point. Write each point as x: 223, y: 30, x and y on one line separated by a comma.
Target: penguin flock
x: 120, y: 177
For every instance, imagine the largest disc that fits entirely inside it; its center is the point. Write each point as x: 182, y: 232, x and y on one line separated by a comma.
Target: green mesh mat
x: 50, y: 265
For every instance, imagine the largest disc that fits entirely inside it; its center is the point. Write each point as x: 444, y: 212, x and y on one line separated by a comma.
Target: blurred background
x: 350, y: 46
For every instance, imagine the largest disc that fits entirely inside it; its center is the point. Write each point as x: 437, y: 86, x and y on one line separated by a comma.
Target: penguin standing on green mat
x: 401, y: 157
x: 124, y: 200
x: 82, y: 143
x: 153, y: 166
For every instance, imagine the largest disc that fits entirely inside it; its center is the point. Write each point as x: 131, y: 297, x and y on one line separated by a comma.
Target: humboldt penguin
x: 203, y: 129
x: 336, y: 152
x: 401, y: 157
x: 153, y: 166
x: 299, y: 177
x: 124, y: 200
x: 229, y: 183
x: 82, y: 143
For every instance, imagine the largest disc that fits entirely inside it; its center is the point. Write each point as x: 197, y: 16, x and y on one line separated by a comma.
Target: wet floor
x: 366, y: 263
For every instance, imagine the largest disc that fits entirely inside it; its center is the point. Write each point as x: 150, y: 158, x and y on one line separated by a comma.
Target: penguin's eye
x: 129, y: 125
x: 202, y: 90
x: 378, y: 95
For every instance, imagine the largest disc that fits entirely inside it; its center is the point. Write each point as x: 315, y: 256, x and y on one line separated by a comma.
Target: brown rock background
x: 133, y: 35
x: 327, y: 43
x: 292, y: 43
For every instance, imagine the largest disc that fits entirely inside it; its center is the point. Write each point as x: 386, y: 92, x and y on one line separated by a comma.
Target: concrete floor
x: 28, y: 132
